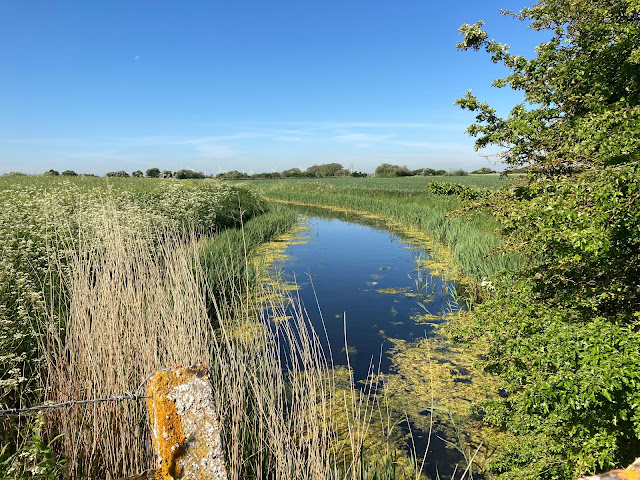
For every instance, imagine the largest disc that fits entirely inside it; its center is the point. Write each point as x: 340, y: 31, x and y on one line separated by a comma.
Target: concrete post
x: 185, y: 429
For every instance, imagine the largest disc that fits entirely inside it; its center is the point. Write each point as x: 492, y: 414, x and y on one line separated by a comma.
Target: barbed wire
x: 72, y: 403
x: 135, y: 397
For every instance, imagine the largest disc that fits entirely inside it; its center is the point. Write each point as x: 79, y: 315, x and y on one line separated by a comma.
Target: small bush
x: 153, y: 173
x: 388, y: 170
x: 456, y: 173
x: 483, y: 171
x: 119, y: 173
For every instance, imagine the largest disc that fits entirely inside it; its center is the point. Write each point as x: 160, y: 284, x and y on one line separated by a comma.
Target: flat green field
x: 397, y: 184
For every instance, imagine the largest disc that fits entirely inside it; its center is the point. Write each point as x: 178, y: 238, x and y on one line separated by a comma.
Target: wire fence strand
x: 135, y: 397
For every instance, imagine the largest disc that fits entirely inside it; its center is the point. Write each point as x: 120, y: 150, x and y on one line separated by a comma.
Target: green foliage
x: 137, y: 173
x: 232, y: 175
x: 324, y: 170
x: 582, y: 90
x: 184, y: 174
x: 465, y: 192
x: 166, y: 174
x: 224, y: 256
x: 119, y: 173
x: 34, y: 459
x: 563, y: 332
x: 388, y: 170
x: 483, y: 171
x: 427, y: 172
x: 69, y: 173
x: 293, y: 173
x: 457, y: 173
x: 51, y: 173
x: 153, y: 172
x: 267, y: 175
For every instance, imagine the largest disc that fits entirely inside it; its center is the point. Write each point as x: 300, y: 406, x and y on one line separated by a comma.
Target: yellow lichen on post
x: 166, y: 426
x: 185, y: 429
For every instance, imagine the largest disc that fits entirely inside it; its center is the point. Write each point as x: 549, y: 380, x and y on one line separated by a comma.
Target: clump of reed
x: 135, y: 306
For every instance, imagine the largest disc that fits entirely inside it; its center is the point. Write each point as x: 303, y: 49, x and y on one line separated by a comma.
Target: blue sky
x: 246, y: 85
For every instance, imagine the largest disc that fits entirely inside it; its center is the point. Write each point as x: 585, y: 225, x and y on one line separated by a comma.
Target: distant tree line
x: 326, y: 170
x: 388, y: 170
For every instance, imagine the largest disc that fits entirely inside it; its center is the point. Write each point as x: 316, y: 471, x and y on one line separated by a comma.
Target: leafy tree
x: 388, y: 170
x: 166, y: 174
x: 293, y: 173
x: 51, y: 173
x: 440, y: 172
x: 426, y: 172
x: 457, y: 173
x: 69, y: 173
x: 186, y: 174
x: 563, y: 332
x: 119, y: 173
x: 483, y: 171
x: 324, y: 170
x: 233, y: 175
x: 153, y: 172
x: 581, y: 90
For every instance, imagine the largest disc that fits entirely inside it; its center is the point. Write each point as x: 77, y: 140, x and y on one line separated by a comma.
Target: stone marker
x: 184, y: 425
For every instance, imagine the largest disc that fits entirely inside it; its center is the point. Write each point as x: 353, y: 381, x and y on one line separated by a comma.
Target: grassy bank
x: 473, y: 240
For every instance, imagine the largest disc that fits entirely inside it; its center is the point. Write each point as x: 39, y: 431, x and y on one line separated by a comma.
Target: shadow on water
x: 354, y: 275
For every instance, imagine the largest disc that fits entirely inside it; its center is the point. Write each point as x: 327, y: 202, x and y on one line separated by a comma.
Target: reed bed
x: 135, y: 307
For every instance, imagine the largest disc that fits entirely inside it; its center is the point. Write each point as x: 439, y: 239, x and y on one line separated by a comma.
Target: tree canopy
x: 581, y: 91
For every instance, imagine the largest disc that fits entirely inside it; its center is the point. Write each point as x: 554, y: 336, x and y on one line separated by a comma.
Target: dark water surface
x: 346, y: 265
x: 371, y: 281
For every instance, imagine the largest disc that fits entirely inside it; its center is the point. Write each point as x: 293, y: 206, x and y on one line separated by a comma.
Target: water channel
x: 355, y: 274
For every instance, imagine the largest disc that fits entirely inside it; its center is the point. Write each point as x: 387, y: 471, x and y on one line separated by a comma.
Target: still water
x: 355, y: 276
x: 369, y: 279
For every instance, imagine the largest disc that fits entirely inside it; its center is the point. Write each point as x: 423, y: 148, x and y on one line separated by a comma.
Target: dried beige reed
x: 136, y: 305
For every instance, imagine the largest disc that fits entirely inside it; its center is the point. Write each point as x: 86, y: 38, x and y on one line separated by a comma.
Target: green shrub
x: 564, y: 332
x: 465, y: 192
x: 388, y: 170
x: 457, y: 173
x: 119, y: 173
x: 483, y: 171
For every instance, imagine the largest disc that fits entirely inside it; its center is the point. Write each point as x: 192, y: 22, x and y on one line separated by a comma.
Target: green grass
x: 414, y: 184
